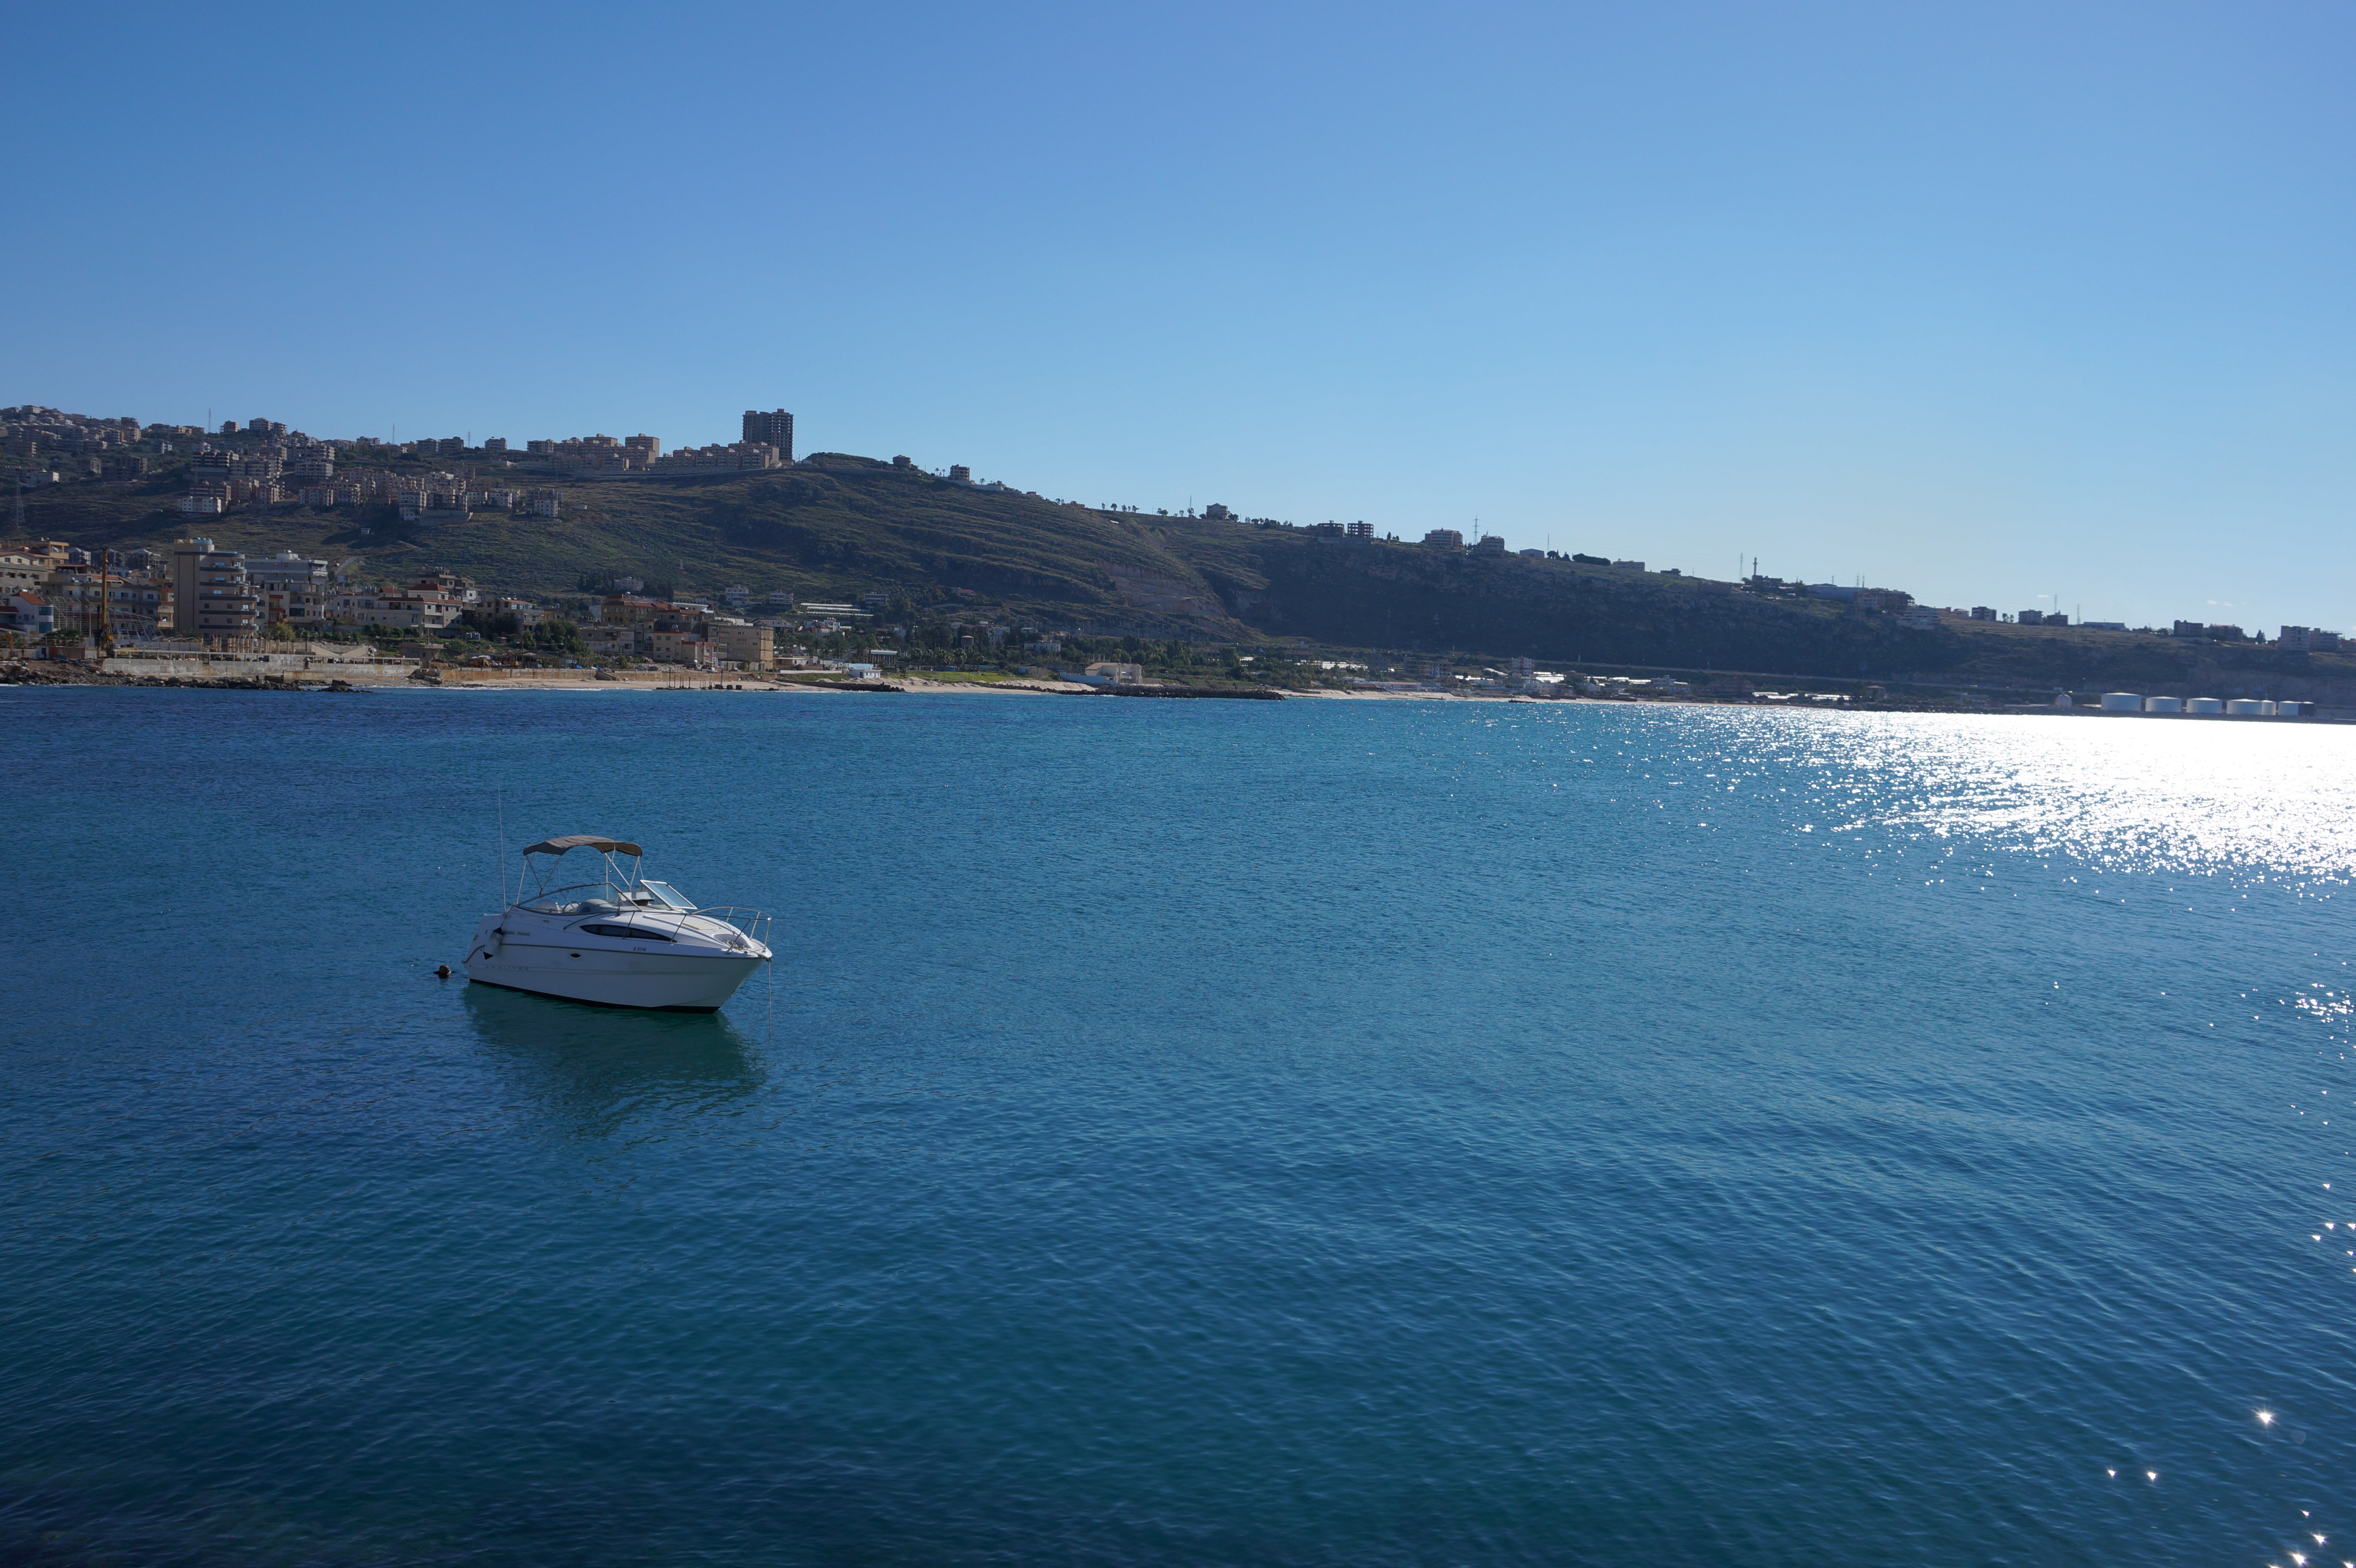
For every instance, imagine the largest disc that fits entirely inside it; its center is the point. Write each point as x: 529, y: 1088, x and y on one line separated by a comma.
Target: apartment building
x: 22, y: 573
x: 222, y: 466
x: 687, y: 646
x: 296, y: 604
x: 612, y: 642
x: 743, y: 455
x: 87, y: 601
x: 211, y: 596
x: 450, y: 585
x: 28, y: 614
x: 286, y: 567
x: 753, y: 647
x: 601, y: 453
x: 774, y: 429
x: 398, y: 609
x: 293, y: 589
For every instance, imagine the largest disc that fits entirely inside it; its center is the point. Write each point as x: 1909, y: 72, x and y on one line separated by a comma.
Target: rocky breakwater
x: 1243, y: 693
x: 66, y: 672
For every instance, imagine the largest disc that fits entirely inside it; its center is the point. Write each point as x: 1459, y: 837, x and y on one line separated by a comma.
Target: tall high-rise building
x: 211, y: 596
x: 777, y: 428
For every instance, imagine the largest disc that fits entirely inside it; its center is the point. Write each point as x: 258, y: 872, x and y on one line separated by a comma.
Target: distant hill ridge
x: 839, y: 525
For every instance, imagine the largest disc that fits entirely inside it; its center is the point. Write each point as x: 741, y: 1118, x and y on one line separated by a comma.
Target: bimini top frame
x: 553, y: 851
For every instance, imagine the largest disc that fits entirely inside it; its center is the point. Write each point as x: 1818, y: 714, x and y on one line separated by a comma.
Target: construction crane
x: 105, y: 606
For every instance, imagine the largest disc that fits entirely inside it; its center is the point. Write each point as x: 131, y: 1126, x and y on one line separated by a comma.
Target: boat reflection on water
x: 599, y: 1068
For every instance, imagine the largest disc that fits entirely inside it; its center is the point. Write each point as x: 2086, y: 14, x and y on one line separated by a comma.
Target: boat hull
x: 662, y: 982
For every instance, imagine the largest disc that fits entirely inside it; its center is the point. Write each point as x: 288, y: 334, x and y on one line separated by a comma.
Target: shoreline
x: 376, y: 677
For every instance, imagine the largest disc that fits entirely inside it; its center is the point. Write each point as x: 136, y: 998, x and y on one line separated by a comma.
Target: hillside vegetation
x: 838, y: 526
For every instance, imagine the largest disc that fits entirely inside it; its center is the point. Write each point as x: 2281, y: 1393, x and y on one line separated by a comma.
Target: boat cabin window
x: 627, y: 932
x: 669, y: 895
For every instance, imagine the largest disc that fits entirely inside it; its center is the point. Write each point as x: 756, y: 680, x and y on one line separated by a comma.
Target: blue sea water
x: 1180, y: 1132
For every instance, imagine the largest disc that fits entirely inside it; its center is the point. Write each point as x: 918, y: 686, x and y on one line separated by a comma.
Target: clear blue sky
x: 1988, y: 301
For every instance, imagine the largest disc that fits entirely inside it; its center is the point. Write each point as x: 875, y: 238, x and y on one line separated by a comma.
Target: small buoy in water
x: 443, y: 973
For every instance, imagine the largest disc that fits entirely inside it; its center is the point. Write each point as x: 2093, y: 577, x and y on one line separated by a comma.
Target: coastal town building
x: 626, y: 609
x: 774, y: 429
x: 600, y: 454
x: 744, y: 455
x: 284, y: 569
x: 1444, y: 538
x: 451, y: 585
x: 211, y: 597
x: 28, y: 615
x: 21, y: 573
x: 685, y: 644
x: 294, y: 589
x: 747, y: 646
x: 395, y: 609
x: 88, y: 601
x: 428, y: 606
x: 612, y: 643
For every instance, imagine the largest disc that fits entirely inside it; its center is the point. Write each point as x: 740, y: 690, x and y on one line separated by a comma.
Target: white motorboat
x: 620, y: 941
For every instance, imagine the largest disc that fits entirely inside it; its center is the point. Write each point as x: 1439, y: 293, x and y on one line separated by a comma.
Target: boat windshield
x: 589, y: 898
x: 669, y: 896
x: 604, y: 898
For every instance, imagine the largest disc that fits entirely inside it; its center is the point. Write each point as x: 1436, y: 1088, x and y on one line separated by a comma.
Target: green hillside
x: 838, y: 526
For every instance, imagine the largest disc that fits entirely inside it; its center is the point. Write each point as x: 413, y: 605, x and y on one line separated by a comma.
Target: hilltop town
x: 612, y: 550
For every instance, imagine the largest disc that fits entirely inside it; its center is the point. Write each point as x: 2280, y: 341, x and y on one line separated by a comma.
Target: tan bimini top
x: 582, y: 841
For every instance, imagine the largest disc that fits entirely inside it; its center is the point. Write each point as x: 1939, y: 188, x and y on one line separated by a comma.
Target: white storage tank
x: 2205, y: 705
x: 2246, y: 707
x: 2163, y: 705
x: 2122, y: 702
x: 2267, y: 709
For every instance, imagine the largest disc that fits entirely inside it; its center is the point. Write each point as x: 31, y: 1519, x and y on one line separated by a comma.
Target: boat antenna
x: 500, y: 796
